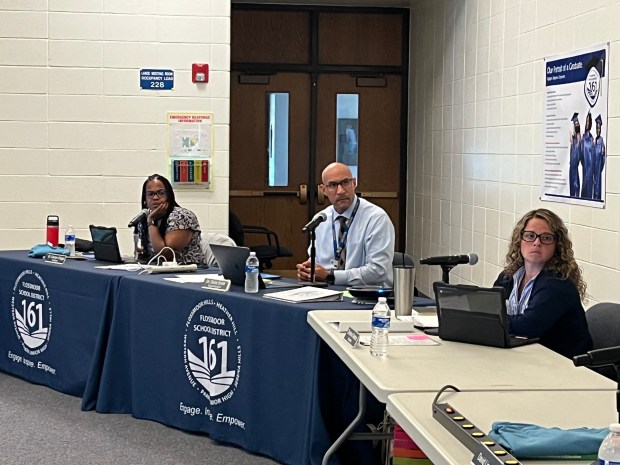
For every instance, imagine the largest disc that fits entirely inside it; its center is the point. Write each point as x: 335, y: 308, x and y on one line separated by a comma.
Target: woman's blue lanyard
x: 338, y: 246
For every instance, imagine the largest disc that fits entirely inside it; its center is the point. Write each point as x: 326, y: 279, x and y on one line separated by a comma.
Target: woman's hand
x: 158, y: 212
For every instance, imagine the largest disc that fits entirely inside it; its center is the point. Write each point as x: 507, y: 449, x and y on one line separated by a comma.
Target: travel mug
x: 53, y: 225
x: 404, y: 285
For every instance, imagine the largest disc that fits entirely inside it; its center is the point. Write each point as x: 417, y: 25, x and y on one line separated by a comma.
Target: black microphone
x: 317, y: 220
x: 598, y: 357
x: 471, y: 258
x: 138, y: 218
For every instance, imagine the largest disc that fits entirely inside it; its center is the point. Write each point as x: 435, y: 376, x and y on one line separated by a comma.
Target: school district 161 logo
x: 212, y: 352
x: 32, y: 312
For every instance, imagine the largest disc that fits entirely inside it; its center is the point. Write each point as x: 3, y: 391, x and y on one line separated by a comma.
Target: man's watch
x: 330, y: 278
x: 152, y: 223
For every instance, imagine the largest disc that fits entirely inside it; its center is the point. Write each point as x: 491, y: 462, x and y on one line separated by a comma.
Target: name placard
x: 222, y: 285
x: 56, y: 258
x: 352, y: 337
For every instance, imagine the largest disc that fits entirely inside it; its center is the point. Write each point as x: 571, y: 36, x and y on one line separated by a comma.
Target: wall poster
x: 190, y: 149
x: 575, y: 127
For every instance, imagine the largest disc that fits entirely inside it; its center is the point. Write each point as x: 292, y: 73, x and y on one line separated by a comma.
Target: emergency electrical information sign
x: 156, y: 79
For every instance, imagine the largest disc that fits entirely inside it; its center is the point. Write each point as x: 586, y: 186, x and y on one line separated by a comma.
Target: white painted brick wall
x: 77, y: 134
x: 477, y: 87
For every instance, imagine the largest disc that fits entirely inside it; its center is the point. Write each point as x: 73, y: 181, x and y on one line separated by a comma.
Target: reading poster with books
x: 575, y: 127
x: 190, y: 149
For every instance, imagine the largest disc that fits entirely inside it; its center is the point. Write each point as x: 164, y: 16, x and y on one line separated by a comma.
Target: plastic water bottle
x: 380, y: 327
x: 70, y: 241
x: 609, y: 452
x: 251, y: 273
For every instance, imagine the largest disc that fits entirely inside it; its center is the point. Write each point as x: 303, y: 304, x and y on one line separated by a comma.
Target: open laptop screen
x: 105, y: 244
x: 472, y: 314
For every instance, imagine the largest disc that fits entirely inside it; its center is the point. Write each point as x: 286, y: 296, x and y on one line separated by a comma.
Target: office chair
x: 603, y: 323
x: 265, y: 252
x: 207, y: 238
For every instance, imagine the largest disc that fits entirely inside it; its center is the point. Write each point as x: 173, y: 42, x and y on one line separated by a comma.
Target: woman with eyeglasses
x: 544, y: 285
x: 168, y: 225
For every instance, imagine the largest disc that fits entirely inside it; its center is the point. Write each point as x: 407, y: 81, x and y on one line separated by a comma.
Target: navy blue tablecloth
x: 238, y: 367
x: 50, y: 318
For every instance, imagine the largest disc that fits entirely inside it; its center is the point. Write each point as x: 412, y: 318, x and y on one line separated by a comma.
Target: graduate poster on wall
x: 190, y: 149
x: 575, y: 127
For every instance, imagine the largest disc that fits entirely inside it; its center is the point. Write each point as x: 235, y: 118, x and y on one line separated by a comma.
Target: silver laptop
x: 231, y: 261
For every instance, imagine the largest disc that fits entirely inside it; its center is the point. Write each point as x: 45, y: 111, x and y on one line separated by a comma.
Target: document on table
x: 422, y: 317
x: 364, y: 326
x: 414, y: 339
x: 306, y: 294
x: 122, y: 266
x: 194, y: 278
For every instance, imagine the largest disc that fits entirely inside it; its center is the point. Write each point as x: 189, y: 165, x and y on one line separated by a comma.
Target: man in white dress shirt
x: 355, y: 245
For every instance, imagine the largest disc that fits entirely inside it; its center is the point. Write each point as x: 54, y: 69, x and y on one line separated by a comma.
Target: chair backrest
x: 401, y: 258
x: 235, y: 229
x: 213, y: 238
x: 604, y: 323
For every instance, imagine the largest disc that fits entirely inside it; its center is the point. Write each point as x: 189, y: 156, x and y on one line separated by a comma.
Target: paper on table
x: 124, y: 267
x: 422, y: 319
x: 364, y: 326
x: 414, y: 339
x: 194, y: 278
x: 306, y: 294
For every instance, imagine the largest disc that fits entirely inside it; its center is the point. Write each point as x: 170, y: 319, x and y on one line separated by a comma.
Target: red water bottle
x: 53, y: 226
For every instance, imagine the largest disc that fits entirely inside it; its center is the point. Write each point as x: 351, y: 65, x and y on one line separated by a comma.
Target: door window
x: 278, y: 137
x: 347, y: 130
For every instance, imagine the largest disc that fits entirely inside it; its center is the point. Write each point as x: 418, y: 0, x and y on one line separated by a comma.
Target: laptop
x: 231, y: 261
x: 105, y: 244
x: 475, y: 315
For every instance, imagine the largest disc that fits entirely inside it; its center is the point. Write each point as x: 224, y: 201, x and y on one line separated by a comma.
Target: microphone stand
x: 312, y: 281
x: 445, y: 276
x: 312, y: 254
x: 616, y: 366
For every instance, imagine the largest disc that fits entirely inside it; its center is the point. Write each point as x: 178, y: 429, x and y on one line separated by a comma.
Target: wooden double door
x: 319, y: 125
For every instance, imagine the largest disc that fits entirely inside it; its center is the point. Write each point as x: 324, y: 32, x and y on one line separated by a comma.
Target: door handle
x: 320, y: 196
x: 303, y: 194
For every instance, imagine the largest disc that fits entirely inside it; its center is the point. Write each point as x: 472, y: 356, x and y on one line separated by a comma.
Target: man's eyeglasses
x: 160, y: 193
x: 531, y: 236
x: 333, y: 186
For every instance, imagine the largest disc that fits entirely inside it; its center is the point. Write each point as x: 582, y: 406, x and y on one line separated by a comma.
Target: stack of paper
x: 422, y: 317
x: 306, y: 294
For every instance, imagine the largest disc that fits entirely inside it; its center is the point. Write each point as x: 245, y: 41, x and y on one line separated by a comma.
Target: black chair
x: 265, y: 252
x: 603, y: 323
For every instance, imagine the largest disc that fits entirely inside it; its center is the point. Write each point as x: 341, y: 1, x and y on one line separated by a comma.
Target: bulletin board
x: 190, y: 149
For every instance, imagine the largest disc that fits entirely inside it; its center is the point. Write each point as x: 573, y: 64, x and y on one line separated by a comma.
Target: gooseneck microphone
x: 451, y: 260
x: 136, y: 219
x: 314, y: 222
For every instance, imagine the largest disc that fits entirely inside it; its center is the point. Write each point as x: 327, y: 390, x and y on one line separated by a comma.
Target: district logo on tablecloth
x: 32, y: 312
x: 212, y: 352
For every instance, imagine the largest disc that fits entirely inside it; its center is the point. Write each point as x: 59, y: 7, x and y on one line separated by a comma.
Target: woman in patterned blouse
x: 168, y: 224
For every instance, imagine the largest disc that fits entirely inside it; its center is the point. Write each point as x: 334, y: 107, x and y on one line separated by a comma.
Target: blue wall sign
x: 156, y: 79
